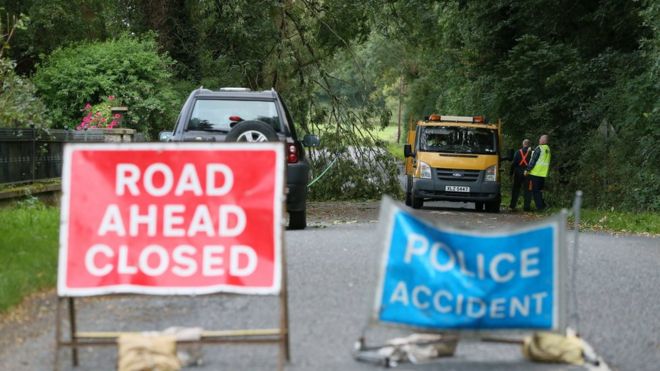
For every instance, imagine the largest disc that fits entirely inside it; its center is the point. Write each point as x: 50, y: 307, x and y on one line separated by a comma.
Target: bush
x: 129, y: 68
x: 19, y: 106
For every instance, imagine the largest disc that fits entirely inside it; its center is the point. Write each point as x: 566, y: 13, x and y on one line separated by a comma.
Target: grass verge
x: 28, y: 251
x: 604, y: 220
x: 643, y: 223
x: 646, y: 223
x: 388, y: 135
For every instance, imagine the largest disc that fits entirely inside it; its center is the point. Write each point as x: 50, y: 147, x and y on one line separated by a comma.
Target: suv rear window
x: 218, y: 114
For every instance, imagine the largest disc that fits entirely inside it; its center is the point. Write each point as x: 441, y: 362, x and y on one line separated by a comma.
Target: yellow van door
x: 410, y: 140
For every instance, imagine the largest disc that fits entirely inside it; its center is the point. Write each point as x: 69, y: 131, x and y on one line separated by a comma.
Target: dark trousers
x: 534, y: 188
x: 518, y: 182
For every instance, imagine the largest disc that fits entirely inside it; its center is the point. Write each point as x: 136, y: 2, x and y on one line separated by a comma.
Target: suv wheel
x: 251, y: 131
x: 297, y: 219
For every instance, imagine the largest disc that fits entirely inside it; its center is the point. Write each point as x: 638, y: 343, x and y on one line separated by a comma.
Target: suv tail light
x: 292, y: 154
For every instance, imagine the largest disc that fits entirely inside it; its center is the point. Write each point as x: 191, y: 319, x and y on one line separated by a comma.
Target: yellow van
x: 454, y: 158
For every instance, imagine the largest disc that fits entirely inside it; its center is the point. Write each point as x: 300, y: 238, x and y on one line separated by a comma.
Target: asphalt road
x: 332, y: 274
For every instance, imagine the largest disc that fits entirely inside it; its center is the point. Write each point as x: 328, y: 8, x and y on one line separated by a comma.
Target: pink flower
x: 100, y: 115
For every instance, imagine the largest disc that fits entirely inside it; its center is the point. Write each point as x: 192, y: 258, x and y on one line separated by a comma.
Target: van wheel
x: 409, y: 191
x: 297, y: 219
x: 479, y: 205
x: 494, y: 206
x: 417, y: 203
x: 408, y: 199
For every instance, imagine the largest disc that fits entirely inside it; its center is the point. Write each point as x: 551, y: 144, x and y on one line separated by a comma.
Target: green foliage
x: 621, y: 157
x: 55, y: 23
x: 305, y: 51
x: 28, y: 250
x: 365, y: 172
x: 19, y: 105
x: 129, y: 68
x: 241, y: 38
x: 175, y: 24
x: 544, y: 66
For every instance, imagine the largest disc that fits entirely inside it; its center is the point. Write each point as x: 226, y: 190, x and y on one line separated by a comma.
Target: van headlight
x: 491, y: 174
x: 424, y: 170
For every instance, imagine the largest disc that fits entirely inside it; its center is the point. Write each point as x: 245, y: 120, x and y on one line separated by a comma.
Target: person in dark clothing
x: 520, y: 161
x: 537, y: 171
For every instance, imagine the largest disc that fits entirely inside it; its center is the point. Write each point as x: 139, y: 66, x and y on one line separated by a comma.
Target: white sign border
x: 389, y: 208
x: 64, y: 291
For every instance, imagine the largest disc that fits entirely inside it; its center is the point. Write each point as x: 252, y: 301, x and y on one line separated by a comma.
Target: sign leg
x: 285, y: 353
x: 72, y: 327
x: 284, y: 304
x: 58, y: 333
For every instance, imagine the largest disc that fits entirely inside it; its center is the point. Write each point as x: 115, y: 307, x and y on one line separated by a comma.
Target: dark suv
x: 241, y: 115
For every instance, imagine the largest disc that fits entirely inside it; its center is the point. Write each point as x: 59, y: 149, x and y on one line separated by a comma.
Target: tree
x: 173, y: 21
x: 55, y: 23
x: 19, y: 106
x: 544, y: 66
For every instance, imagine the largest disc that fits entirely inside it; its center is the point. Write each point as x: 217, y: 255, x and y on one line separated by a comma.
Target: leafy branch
x: 13, y: 23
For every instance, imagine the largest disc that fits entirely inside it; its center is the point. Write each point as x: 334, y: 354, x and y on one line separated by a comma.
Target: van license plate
x: 457, y: 189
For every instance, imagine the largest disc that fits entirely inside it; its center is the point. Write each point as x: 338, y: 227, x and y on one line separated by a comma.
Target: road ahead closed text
x: 466, y: 280
x: 180, y: 219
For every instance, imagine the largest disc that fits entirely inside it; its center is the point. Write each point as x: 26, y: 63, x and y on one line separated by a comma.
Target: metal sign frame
x: 279, y: 335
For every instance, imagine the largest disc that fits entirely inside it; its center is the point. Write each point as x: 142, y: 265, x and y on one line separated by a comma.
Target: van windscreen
x: 456, y: 139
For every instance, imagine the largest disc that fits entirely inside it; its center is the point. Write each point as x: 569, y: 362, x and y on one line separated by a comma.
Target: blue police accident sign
x: 442, y: 278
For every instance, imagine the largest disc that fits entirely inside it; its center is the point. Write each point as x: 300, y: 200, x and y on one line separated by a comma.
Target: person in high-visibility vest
x: 537, y: 171
x: 520, y: 161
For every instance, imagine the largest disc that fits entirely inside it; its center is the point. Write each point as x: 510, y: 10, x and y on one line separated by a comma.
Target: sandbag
x: 554, y: 348
x: 138, y: 352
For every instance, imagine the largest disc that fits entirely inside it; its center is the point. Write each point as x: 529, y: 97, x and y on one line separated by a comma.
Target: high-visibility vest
x: 523, y: 157
x: 542, y: 165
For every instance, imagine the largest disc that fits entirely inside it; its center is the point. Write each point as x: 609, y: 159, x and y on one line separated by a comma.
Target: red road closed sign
x: 171, y: 219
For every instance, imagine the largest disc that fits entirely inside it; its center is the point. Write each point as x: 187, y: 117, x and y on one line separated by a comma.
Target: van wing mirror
x: 407, y: 150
